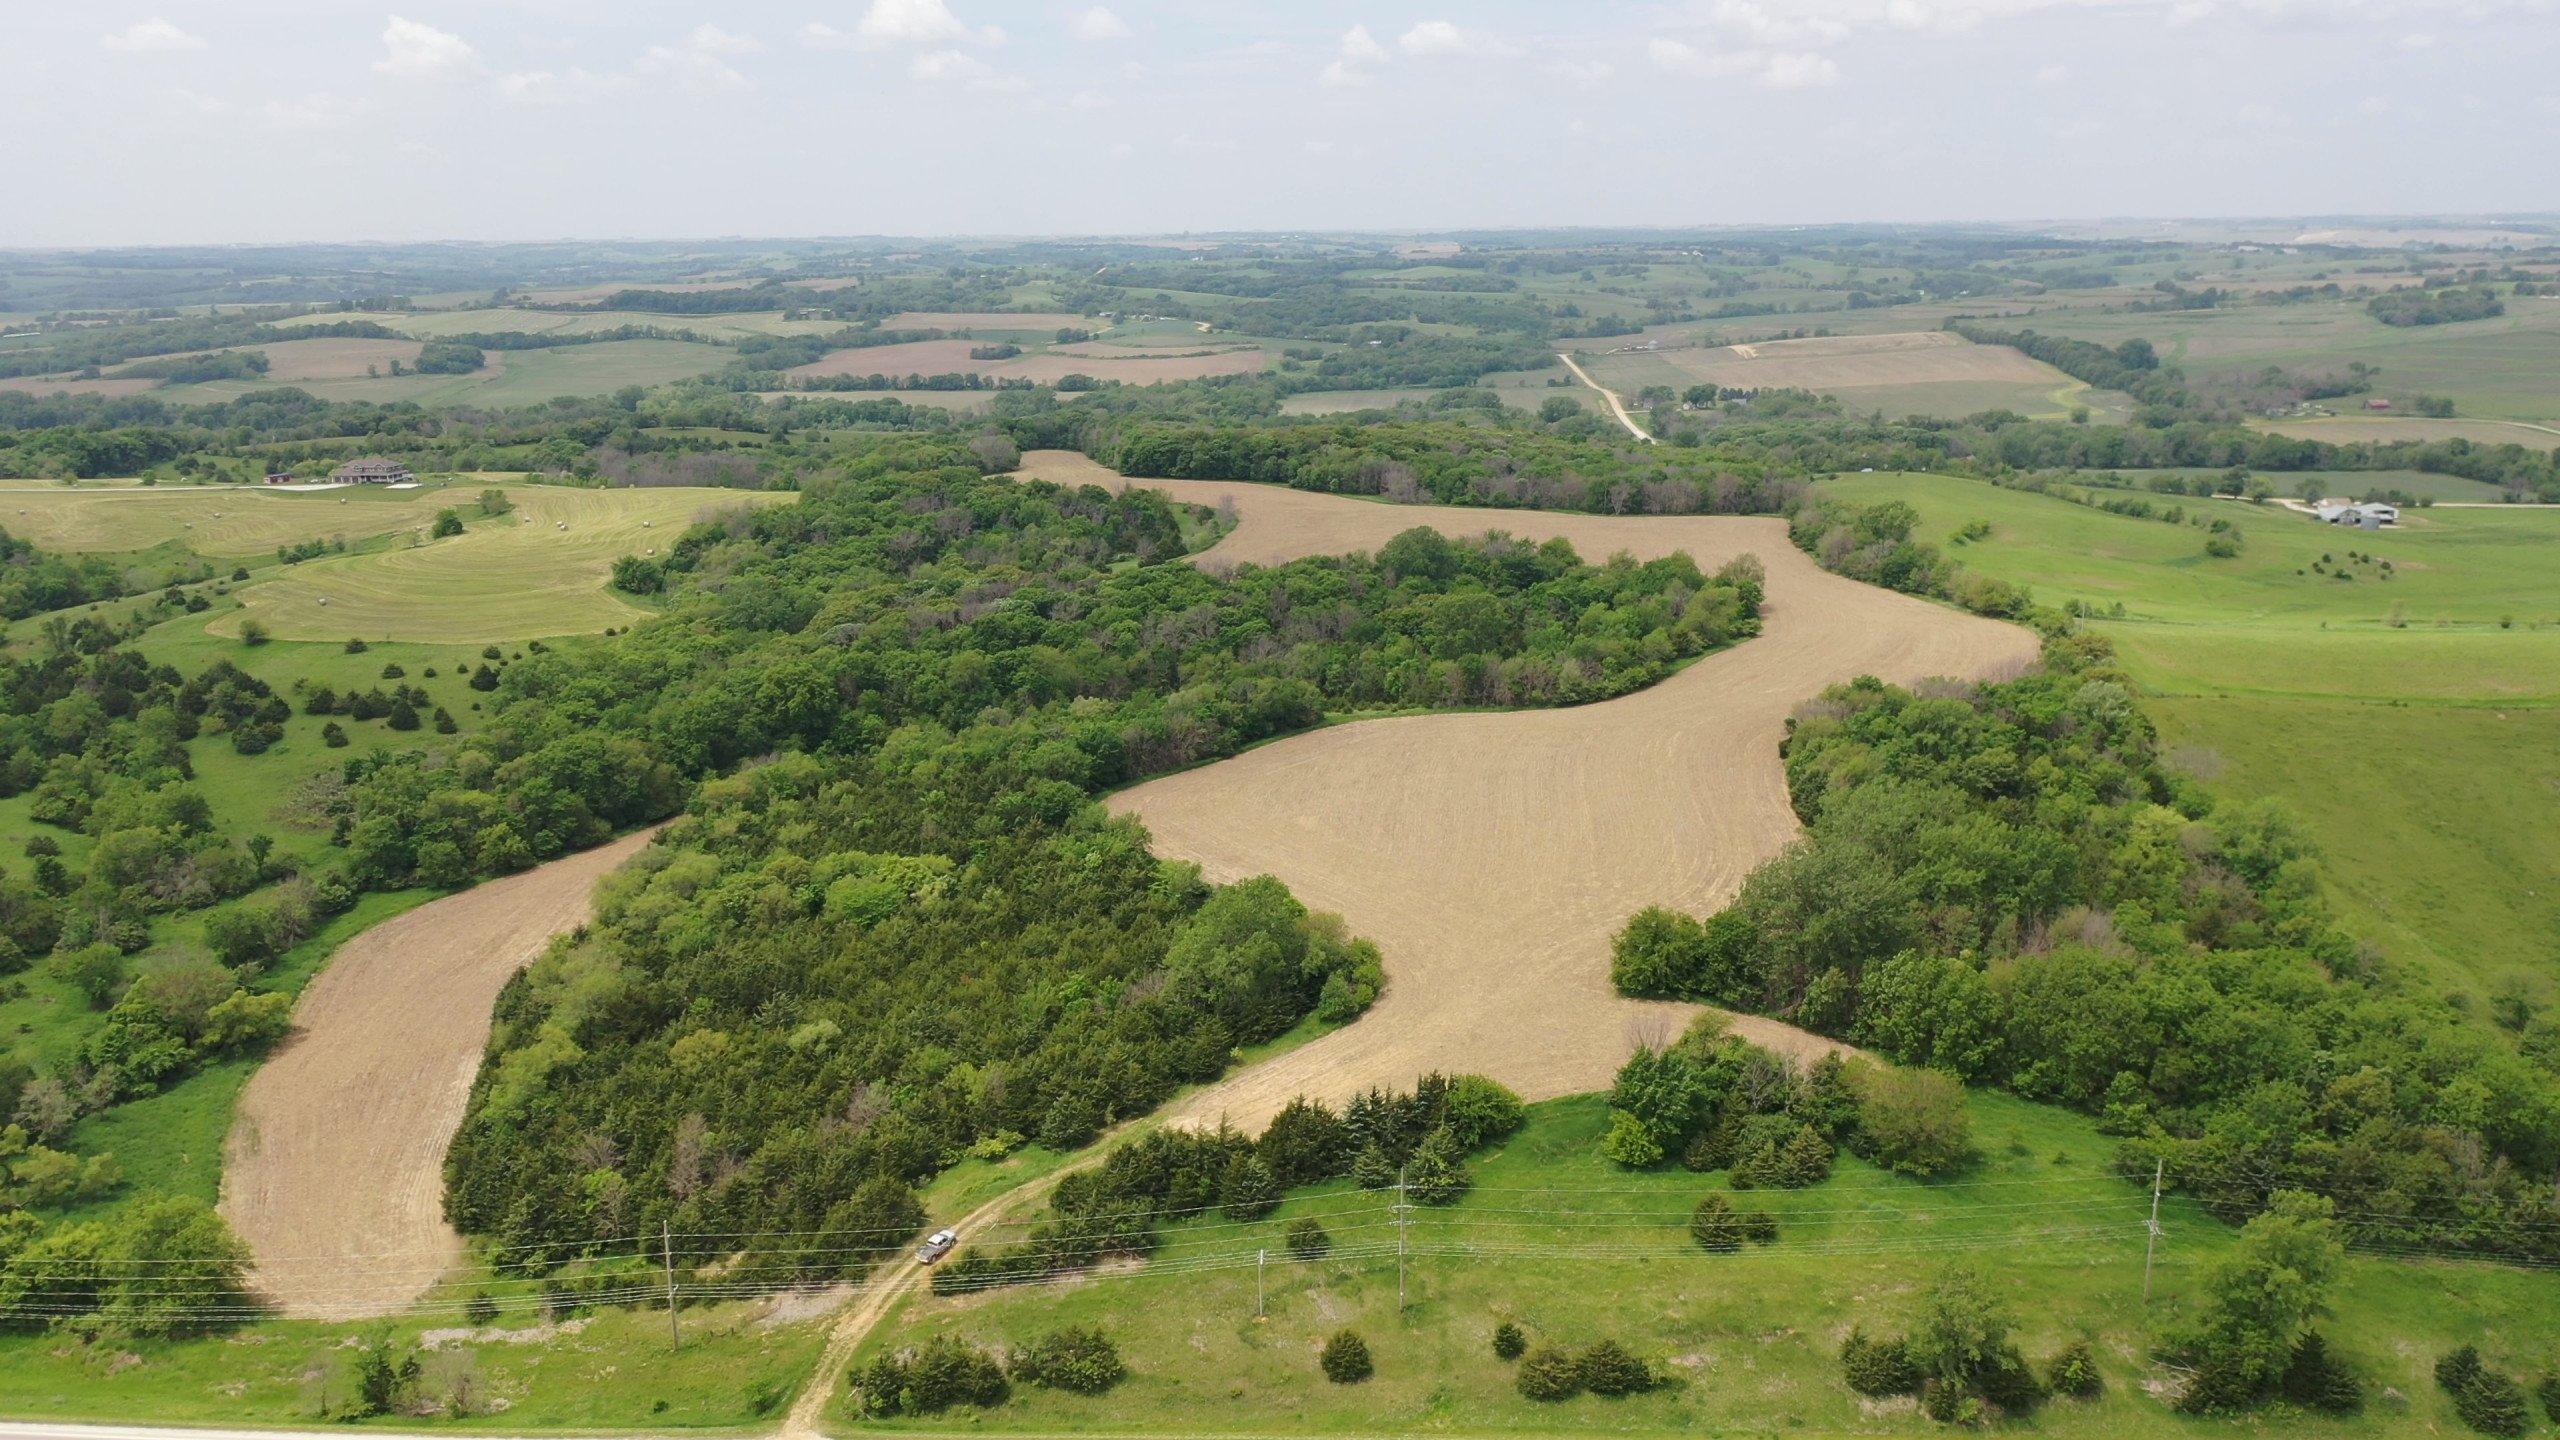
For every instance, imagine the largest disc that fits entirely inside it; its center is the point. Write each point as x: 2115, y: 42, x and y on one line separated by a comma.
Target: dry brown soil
x: 334, y: 1173
x: 951, y: 357
x: 1492, y: 856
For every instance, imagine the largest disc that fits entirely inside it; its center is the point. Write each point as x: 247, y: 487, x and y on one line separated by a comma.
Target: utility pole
x: 2151, y: 1246
x: 667, y: 1257
x: 1260, y: 1259
x: 1400, y: 1239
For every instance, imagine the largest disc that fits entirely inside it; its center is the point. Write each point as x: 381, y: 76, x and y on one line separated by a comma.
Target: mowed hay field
x: 2361, y: 430
x: 951, y: 357
x: 1922, y: 372
x: 509, y: 377
x: 540, y: 571
x: 226, y: 521
x: 2423, y: 756
x: 1493, y: 855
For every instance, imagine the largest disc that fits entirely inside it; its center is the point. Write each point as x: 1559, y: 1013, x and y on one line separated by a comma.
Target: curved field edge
x: 333, y: 1172
x: 1492, y: 854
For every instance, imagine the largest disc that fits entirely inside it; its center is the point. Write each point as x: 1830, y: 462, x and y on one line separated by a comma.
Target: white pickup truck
x: 936, y: 1245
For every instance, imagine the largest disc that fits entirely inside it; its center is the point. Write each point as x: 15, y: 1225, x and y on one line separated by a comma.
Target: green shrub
x: 946, y: 1372
x: 2549, y: 1391
x: 1877, y: 1367
x: 2074, y: 1372
x: 1248, y: 1191
x: 1714, y: 1225
x: 2488, y: 1401
x: 1080, y: 1359
x: 1508, y: 1341
x: 2318, y: 1380
x: 1551, y: 1372
x: 1609, y: 1368
x: 1346, y: 1358
x: 1306, y: 1238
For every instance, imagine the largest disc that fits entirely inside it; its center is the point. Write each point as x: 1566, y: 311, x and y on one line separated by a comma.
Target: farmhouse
x: 2369, y: 516
x: 2377, y: 403
x: 371, y: 470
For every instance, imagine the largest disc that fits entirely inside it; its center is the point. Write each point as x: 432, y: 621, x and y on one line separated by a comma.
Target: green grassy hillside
x: 1573, y: 1250
x: 2408, y: 715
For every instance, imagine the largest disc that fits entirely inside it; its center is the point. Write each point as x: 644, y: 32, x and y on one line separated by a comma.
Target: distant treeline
x: 86, y: 349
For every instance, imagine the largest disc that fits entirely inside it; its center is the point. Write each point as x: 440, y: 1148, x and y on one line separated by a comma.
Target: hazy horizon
x: 282, y: 121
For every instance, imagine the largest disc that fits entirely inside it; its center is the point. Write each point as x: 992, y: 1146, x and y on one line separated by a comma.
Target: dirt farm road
x: 334, y: 1171
x: 1617, y: 407
x: 1492, y: 856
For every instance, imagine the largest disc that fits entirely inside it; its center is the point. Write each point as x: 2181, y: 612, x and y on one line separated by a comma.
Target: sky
x: 227, y: 121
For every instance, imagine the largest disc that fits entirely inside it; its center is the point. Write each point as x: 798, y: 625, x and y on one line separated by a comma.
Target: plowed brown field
x: 334, y: 1172
x: 1492, y: 856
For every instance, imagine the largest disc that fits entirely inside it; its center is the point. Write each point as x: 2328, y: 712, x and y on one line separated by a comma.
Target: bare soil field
x: 951, y: 357
x: 1828, y: 363
x: 1492, y: 856
x: 334, y: 1172
x: 983, y: 320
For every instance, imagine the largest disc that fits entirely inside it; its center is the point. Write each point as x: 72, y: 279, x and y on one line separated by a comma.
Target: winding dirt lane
x: 334, y: 1171
x: 1617, y: 407
x: 1492, y: 856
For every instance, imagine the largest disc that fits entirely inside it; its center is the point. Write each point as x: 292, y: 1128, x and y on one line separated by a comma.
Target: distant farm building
x: 372, y: 470
x: 2377, y: 403
x: 2367, y: 516
x: 280, y: 478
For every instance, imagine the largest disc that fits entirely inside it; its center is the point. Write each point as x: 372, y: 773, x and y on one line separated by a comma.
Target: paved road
x: 1616, y: 406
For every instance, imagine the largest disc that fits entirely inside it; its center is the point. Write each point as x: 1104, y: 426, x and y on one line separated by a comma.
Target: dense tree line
x: 1418, y: 1138
x: 115, y: 344
x: 1444, y: 462
x: 2436, y: 306
x: 2002, y: 882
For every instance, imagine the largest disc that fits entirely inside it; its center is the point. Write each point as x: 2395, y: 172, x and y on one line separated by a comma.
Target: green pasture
x: 2498, y: 369
x: 2409, y: 722
x: 1573, y: 1250
x: 740, y: 1365
x: 509, y: 378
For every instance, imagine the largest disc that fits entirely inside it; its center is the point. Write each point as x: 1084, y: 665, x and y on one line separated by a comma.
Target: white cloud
x: 2265, y: 116
x: 1802, y: 70
x: 891, y: 23
x: 1440, y: 37
x: 423, y: 51
x: 154, y: 34
x: 317, y: 111
x: 698, y: 66
x: 1770, y: 70
x: 1099, y: 23
x: 1351, y: 63
x: 1585, y: 73
x: 2052, y: 77
x: 1760, y: 27
x: 712, y: 40
x: 954, y: 67
x: 1089, y: 100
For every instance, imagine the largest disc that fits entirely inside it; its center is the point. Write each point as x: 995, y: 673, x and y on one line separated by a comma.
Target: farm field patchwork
x: 508, y: 377
x: 1920, y: 372
x: 538, y: 572
x: 1492, y: 856
x: 949, y: 357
